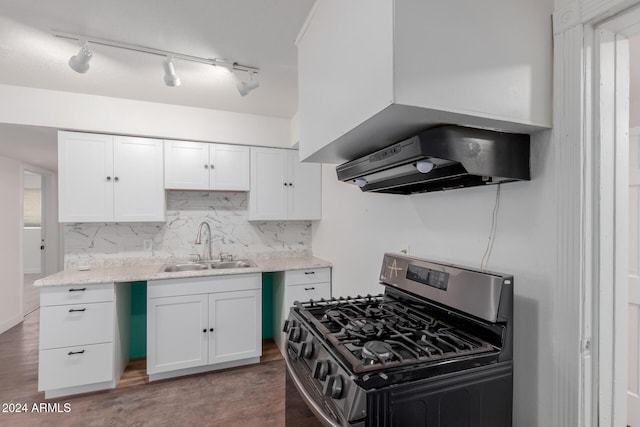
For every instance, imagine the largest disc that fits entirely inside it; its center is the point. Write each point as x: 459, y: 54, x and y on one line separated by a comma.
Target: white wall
x: 92, y: 113
x: 11, y: 246
x: 453, y: 226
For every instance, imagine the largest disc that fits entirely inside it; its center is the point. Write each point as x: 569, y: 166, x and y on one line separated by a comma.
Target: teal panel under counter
x: 138, y: 321
x: 267, y: 305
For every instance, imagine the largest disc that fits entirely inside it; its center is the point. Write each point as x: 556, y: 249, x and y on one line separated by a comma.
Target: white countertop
x: 143, y: 272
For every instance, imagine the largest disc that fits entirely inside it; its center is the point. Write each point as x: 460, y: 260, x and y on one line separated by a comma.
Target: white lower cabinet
x: 296, y: 285
x: 84, y: 337
x: 203, y: 323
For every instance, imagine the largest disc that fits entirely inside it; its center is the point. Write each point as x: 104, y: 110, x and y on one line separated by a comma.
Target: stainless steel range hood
x: 441, y: 158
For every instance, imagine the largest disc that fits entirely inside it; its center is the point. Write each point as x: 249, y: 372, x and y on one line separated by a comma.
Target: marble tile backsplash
x: 106, y: 244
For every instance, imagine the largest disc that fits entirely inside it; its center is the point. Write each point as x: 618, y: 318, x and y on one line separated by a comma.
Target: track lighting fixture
x: 245, y: 87
x: 170, y: 77
x: 80, y: 62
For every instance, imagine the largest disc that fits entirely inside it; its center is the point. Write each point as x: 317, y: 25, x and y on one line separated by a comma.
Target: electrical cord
x: 492, y: 232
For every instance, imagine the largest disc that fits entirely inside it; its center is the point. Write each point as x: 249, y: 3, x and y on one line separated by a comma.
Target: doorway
x: 33, y: 239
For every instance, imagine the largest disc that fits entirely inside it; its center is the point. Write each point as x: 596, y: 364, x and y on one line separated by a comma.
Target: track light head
x: 245, y: 87
x: 80, y: 62
x: 170, y: 77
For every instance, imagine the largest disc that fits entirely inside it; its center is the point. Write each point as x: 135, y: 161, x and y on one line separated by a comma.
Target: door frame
x: 51, y: 229
x: 591, y: 142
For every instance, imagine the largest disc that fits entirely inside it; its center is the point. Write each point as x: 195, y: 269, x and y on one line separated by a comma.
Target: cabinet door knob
x: 116, y: 179
x: 206, y: 166
x: 108, y: 178
x: 291, y: 184
x: 204, y: 330
x: 211, y: 330
x: 211, y: 166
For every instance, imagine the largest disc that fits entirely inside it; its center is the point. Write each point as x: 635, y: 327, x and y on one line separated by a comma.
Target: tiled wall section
x: 104, y: 244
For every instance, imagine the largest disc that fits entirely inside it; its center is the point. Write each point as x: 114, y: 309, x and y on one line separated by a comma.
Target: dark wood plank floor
x: 245, y: 396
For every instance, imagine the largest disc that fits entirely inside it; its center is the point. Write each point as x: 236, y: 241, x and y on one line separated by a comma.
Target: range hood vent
x: 441, y: 158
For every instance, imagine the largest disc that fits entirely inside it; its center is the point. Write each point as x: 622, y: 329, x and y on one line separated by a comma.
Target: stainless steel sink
x: 205, y: 265
x: 184, y: 267
x: 232, y: 264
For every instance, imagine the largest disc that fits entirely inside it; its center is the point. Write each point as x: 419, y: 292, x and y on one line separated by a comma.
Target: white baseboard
x: 10, y: 323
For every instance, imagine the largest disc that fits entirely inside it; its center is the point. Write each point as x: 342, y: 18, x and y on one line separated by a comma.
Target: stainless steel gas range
x: 434, y: 350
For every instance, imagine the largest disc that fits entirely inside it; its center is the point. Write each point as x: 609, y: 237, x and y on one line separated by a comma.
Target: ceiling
x: 255, y: 33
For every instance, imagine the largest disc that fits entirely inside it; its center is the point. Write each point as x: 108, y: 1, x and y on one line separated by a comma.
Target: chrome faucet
x: 199, y: 239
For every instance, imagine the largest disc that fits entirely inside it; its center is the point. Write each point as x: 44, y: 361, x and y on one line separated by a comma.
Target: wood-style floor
x: 245, y: 396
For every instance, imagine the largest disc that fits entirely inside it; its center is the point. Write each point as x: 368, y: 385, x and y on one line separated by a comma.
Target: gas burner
x: 377, y: 351
x: 372, y: 311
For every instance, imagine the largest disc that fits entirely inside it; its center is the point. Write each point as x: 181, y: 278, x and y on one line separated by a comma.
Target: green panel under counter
x: 138, y: 321
x: 267, y: 305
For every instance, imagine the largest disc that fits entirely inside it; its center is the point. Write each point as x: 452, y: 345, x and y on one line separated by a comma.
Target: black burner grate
x: 375, y: 332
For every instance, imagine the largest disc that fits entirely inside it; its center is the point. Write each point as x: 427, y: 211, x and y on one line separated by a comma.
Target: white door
x: 633, y: 388
x: 85, y: 173
x: 138, y: 179
x: 235, y: 318
x: 267, y: 198
x: 305, y: 191
x: 229, y: 165
x: 177, y: 333
x: 186, y: 165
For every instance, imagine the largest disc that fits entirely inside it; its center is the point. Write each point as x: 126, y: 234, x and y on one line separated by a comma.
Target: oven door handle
x: 307, y: 398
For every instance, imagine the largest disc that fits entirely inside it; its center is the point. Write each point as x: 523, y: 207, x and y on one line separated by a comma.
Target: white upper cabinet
x: 282, y: 188
x: 372, y: 72
x: 106, y: 178
x: 203, y: 166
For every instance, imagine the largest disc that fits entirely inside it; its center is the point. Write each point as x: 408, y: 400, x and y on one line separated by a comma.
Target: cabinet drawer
x: 59, y: 295
x: 312, y: 275
x: 306, y: 292
x: 78, y: 324
x: 203, y: 285
x: 74, y: 366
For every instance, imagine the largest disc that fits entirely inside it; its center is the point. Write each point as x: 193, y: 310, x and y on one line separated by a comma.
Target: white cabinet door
x: 235, y: 318
x: 85, y: 174
x: 177, y: 332
x: 186, y: 165
x: 305, y: 193
x: 229, y: 166
x: 138, y: 179
x: 267, y: 199
x: 282, y: 188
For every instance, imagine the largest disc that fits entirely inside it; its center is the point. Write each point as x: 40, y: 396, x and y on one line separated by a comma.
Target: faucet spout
x: 198, y: 241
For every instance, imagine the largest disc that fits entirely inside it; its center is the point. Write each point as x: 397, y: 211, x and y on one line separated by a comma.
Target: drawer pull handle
x: 71, y: 353
x: 309, y: 272
x: 77, y: 289
x: 309, y: 289
x: 73, y: 310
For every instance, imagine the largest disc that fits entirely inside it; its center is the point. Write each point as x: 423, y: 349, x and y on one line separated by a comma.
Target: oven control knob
x: 333, y: 386
x: 295, y: 334
x: 320, y: 369
x: 288, y: 325
x: 306, y: 349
